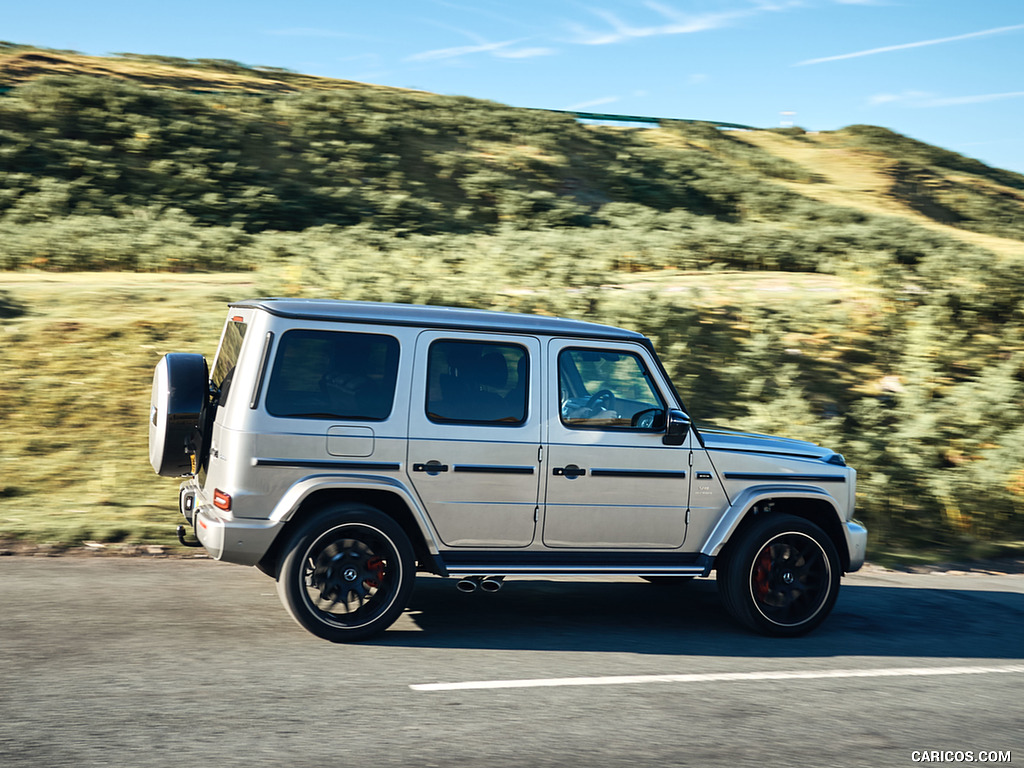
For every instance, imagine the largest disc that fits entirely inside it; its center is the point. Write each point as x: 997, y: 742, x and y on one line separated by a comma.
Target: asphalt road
x: 153, y: 662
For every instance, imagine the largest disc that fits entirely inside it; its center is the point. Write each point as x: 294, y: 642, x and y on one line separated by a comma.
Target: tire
x: 347, y: 573
x: 781, y: 576
x: 178, y: 400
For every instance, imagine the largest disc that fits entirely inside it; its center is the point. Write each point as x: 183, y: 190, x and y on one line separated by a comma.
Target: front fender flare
x: 741, y: 505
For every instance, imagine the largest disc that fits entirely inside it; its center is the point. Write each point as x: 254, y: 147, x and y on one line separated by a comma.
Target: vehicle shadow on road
x: 688, y: 619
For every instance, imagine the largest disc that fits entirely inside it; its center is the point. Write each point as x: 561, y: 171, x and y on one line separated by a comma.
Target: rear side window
x: 333, y: 375
x: 470, y: 382
x: 227, y: 357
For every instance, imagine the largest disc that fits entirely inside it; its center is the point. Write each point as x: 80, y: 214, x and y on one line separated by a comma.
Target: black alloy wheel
x: 780, y: 576
x: 348, y: 573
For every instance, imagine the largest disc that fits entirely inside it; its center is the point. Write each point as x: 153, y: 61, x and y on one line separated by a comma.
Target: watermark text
x: 961, y: 756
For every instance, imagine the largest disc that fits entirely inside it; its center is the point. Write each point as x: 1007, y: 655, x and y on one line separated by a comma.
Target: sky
x: 948, y: 72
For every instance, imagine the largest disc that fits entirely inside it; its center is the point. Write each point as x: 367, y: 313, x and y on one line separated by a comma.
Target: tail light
x: 221, y: 500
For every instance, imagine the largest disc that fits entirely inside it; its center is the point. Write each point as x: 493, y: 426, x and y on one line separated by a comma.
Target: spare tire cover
x: 180, y: 387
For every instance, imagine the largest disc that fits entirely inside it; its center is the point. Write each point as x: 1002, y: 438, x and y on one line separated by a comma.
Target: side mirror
x: 676, y: 428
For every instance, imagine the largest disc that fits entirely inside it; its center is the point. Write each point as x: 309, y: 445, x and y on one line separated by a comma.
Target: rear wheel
x: 347, y: 574
x: 780, y: 576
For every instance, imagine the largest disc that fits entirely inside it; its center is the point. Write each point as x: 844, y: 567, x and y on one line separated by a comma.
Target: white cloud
x: 905, y: 98
x: 905, y: 46
x: 923, y: 99
x: 621, y: 31
x: 505, y: 49
x: 440, y: 54
x: 525, y: 53
x: 954, y: 101
x: 583, y: 105
x: 671, y: 22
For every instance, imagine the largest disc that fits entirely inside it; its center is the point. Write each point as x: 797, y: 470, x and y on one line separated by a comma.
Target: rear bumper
x: 235, y: 541
x: 226, y: 538
x: 856, y: 544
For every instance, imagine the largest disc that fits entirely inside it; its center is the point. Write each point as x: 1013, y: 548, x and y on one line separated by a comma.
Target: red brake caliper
x: 375, y: 564
x: 761, y: 574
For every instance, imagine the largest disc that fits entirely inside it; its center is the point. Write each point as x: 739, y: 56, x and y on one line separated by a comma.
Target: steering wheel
x: 603, y: 400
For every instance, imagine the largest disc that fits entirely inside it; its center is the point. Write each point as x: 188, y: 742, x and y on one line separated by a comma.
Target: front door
x: 611, y: 482
x: 475, y: 437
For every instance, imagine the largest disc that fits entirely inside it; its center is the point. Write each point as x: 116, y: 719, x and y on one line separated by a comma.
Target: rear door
x: 475, y: 436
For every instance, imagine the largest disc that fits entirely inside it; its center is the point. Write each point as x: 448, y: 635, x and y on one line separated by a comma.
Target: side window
x: 333, y: 375
x: 227, y: 357
x: 606, y: 389
x: 470, y: 382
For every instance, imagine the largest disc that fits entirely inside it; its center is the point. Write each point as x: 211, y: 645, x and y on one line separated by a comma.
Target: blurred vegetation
x: 895, y: 338
x: 77, y: 356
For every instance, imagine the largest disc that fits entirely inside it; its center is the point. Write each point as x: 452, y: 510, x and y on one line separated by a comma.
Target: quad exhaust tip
x: 492, y: 583
x: 484, y: 583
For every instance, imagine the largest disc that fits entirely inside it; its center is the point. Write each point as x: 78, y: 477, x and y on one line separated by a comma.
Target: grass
x: 79, y: 352
x: 855, y: 177
x: 20, y: 64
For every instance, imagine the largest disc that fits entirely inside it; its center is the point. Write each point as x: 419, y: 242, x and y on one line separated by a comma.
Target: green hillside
x: 857, y: 288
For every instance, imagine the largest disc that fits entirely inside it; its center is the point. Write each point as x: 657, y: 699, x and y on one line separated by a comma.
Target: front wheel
x: 348, y: 573
x: 780, y: 576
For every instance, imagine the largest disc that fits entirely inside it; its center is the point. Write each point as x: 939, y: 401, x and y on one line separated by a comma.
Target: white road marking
x: 721, y: 677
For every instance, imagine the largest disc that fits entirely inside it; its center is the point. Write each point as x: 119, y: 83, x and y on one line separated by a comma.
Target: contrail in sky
x: 904, y: 46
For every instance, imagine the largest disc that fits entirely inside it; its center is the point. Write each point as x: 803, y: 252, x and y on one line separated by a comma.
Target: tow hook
x: 181, y: 539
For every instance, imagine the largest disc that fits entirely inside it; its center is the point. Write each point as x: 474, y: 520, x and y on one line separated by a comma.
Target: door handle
x: 570, y: 471
x: 432, y: 467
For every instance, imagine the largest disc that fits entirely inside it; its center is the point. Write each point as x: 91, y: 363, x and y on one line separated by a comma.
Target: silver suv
x: 341, y: 447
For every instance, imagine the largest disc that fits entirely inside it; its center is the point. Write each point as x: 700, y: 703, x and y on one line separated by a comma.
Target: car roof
x: 418, y: 315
